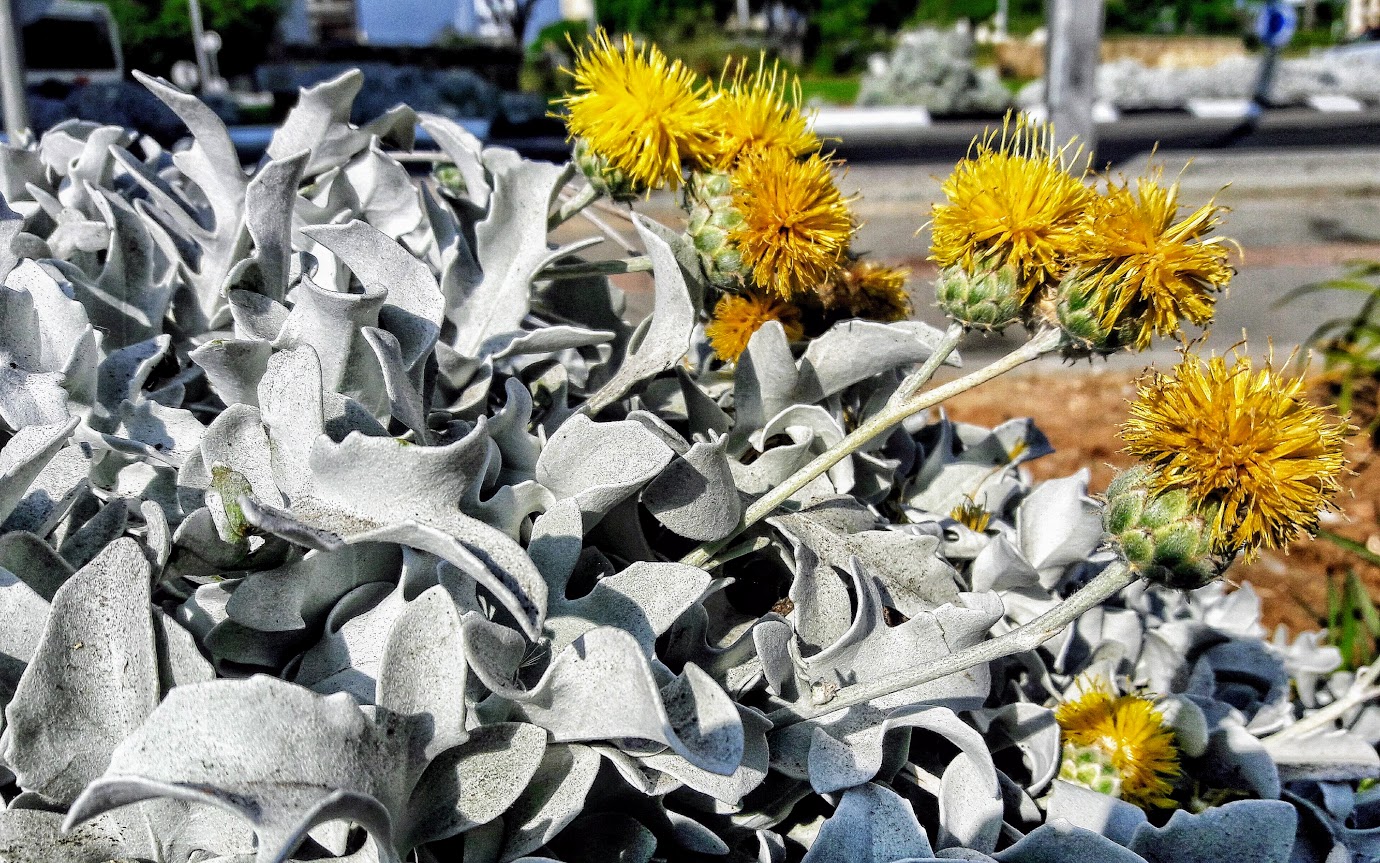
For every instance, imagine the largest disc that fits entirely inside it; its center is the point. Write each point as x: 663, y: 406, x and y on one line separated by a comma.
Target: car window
x: 67, y: 43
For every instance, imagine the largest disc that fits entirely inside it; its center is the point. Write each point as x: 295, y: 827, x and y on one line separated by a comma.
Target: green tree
x: 157, y: 33
x: 1174, y: 16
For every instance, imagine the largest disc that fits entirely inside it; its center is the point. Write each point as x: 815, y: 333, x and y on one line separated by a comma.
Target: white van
x: 74, y: 43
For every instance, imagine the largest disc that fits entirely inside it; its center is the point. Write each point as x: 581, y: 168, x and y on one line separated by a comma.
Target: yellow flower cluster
x: 795, y: 224
x: 1147, y: 271
x: 1013, y: 201
x: 1022, y: 235
x: 776, y: 242
x: 1112, y: 269
x: 738, y: 316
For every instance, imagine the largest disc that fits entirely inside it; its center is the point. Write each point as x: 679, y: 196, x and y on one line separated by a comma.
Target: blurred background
x: 496, y: 62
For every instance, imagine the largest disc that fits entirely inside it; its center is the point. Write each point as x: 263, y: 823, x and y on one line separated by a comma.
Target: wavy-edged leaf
x: 667, y: 337
x: 601, y: 687
x: 98, y: 661
x: 872, y: 824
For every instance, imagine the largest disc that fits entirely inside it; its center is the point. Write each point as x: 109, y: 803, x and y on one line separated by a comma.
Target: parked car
x: 75, y: 43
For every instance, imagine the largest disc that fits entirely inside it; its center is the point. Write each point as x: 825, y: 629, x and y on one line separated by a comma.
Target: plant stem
x: 755, y: 544
x: 572, y: 205
x: 921, y: 376
x: 1028, y: 636
x: 1362, y: 689
x: 638, y: 264
x: 876, y: 426
x: 1351, y: 545
x: 588, y: 215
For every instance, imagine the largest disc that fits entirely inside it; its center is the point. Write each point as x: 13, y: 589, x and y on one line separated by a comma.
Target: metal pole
x: 12, y: 75
x: 203, y: 63
x: 1265, y: 80
x: 1075, y: 42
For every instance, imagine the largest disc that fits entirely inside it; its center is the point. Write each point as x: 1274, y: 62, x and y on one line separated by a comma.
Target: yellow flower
x: 971, y: 515
x: 1013, y: 201
x: 796, y: 225
x: 1257, y: 458
x: 760, y: 112
x: 644, y: 114
x: 1126, y: 734
x: 868, y: 290
x: 1146, y: 271
x: 737, y: 317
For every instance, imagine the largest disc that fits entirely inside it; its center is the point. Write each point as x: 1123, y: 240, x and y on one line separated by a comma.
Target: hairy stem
x: 1028, y: 636
x: 876, y: 426
x: 572, y: 205
x: 1362, y: 690
x: 638, y: 264
x: 921, y: 376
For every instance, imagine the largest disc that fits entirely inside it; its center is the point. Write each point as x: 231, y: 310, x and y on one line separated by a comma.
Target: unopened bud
x: 988, y: 298
x: 1162, y: 535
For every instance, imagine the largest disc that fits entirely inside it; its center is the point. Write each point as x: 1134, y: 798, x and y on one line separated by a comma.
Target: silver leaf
x: 667, y: 338
x: 872, y: 824
x: 98, y: 661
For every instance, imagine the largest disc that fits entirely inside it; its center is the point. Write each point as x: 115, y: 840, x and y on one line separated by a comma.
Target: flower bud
x: 606, y: 179
x: 712, y: 216
x: 1162, y: 536
x: 1090, y: 767
x: 988, y: 298
x: 1079, y: 316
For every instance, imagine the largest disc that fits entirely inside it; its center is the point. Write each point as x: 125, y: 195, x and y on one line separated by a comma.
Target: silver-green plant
x: 346, y: 517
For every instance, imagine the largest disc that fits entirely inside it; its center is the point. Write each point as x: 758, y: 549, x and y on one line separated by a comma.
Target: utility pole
x: 12, y: 75
x: 1071, y: 58
x: 1275, y: 27
x: 203, y: 63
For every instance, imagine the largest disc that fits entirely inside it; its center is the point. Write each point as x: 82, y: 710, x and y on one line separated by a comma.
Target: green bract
x: 1163, y: 536
x: 986, y: 299
x: 709, y: 198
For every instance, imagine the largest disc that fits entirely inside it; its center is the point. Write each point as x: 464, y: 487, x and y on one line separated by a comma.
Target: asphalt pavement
x: 880, y: 141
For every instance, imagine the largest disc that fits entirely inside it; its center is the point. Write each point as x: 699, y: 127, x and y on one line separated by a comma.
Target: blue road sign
x: 1276, y: 23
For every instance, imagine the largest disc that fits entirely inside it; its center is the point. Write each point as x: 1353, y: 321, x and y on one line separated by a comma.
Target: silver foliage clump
x: 1130, y: 85
x: 313, y: 547
x: 935, y: 69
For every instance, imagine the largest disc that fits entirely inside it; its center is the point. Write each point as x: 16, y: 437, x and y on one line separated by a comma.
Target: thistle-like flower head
x: 1013, y: 200
x: 759, y: 111
x: 1124, y: 735
x: 1245, y: 445
x: 737, y: 317
x: 864, y: 289
x: 645, y: 115
x: 796, y: 225
x: 1146, y: 270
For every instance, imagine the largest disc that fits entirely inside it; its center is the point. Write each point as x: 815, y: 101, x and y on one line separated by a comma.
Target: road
x: 948, y: 140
